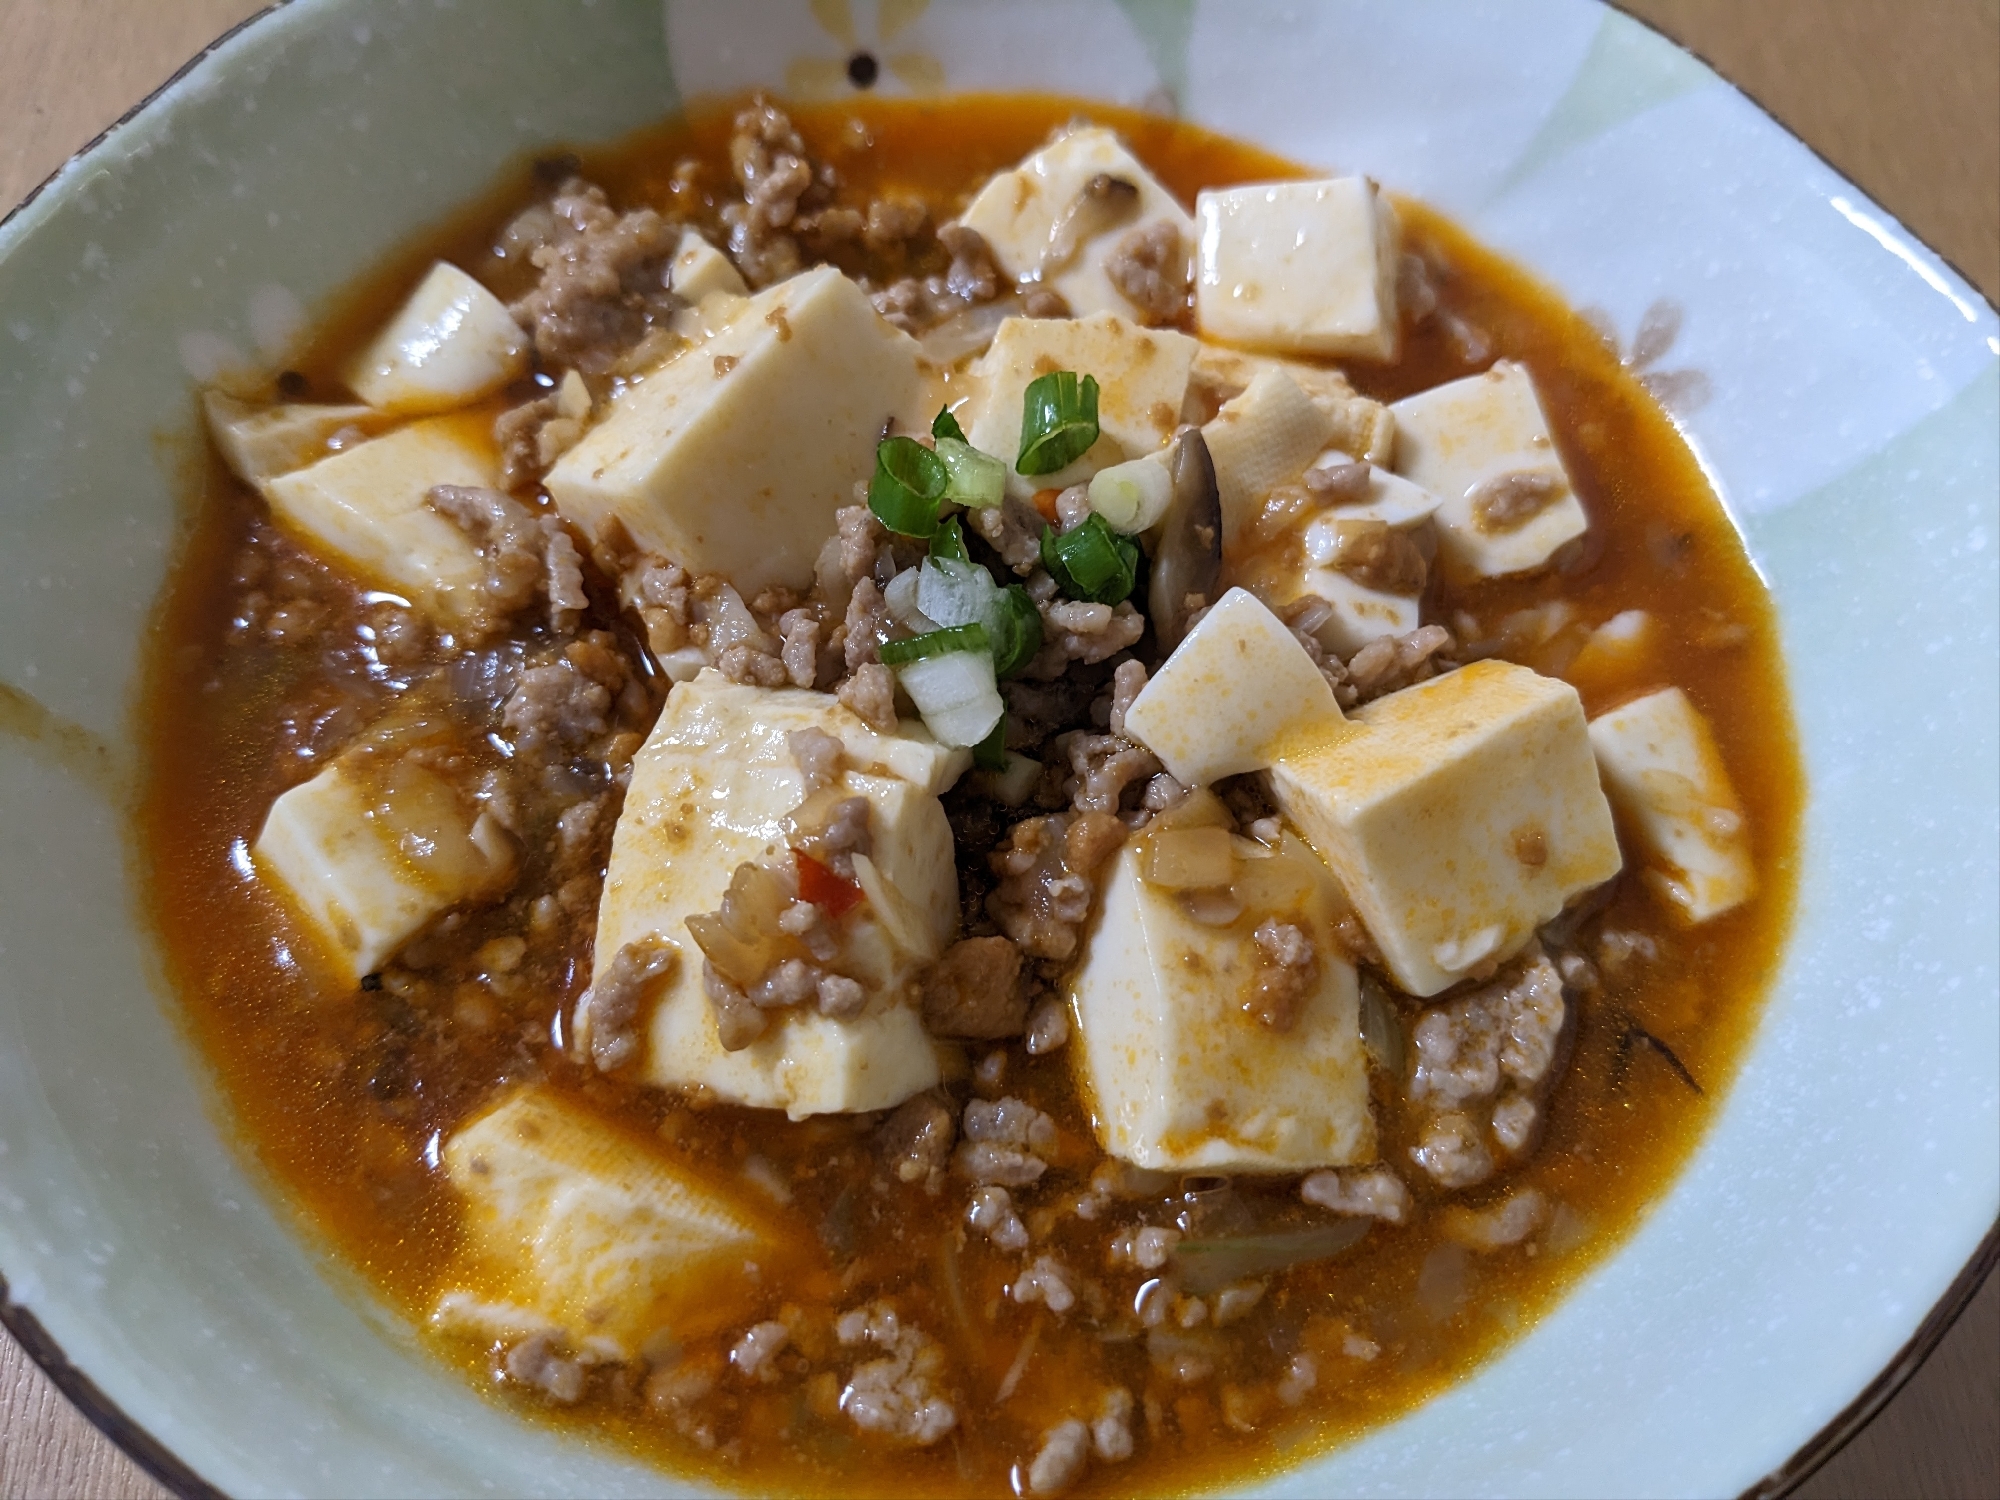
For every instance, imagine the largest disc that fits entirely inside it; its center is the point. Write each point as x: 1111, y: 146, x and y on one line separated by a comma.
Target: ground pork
x: 1045, y: 1282
x: 554, y: 707
x: 1452, y: 1150
x: 533, y: 435
x: 1147, y: 1248
x: 1287, y: 969
x: 871, y: 693
x: 1048, y: 1026
x: 901, y: 1393
x: 1149, y: 266
x: 819, y: 757
x: 1303, y: 617
x: 1013, y: 529
x: 1039, y: 902
x: 1102, y: 766
x: 1379, y: 556
x: 1074, y: 631
x: 512, y: 547
x: 1372, y: 1193
x: 1060, y: 1461
x: 779, y: 183
x: 1506, y: 502
x: 974, y: 990
x: 1005, y: 1142
x: 612, y: 1003
x: 755, y: 1354
x: 991, y: 1212
x: 534, y: 1363
x: 1383, y: 666
x: 916, y: 1140
x: 603, y: 280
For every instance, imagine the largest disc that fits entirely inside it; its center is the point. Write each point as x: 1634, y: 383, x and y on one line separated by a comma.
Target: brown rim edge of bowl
x: 1864, y: 1408
x: 160, y: 1462
x: 105, y: 1414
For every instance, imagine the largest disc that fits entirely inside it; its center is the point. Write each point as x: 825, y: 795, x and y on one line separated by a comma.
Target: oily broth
x: 341, y: 1096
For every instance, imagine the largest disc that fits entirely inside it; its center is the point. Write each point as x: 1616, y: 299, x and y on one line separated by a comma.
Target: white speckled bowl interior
x: 1853, y: 427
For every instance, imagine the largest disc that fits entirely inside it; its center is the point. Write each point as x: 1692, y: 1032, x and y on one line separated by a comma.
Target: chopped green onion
x: 949, y: 541
x: 909, y: 482
x: 990, y: 754
x: 945, y: 425
x: 1015, y: 628
x: 977, y: 480
x: 1092, y: 561
x: 1058, y: 422
x: 934, y: 643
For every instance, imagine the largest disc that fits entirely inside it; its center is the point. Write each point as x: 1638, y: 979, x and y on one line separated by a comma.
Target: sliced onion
x: 1191, y: 859
x: 968, y: 332
x: 1015, y: 783
x: 1132, y: 496
x: 956, y: 694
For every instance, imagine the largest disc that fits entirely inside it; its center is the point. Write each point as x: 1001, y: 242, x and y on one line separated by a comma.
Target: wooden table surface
x: 1903, y: 96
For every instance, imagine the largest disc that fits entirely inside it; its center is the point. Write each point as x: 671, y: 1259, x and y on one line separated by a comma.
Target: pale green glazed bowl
x: 1852, y: 423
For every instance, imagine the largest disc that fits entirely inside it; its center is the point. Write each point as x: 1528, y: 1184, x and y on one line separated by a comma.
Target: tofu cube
x: 1142, y: 377
x: 1359, y: 614
x: 452, y: 343
x: 262, y: 442
x: 1617, y: 657
x: 1181, y: 1074
x: 1299, y: 268
x: 1461, y: 815
x: 710, y: 789
x: 586, y: 1229
x: 366, y: 507
x: 1662, y: 769
x: 1362, y: 428
x: 733, y: 457
x: 1237, y: 691
x: 1482, y: 446
x: 1039, y: 222
x: 372, y: 848
x: 698, y: 269
x: 1260, y: 440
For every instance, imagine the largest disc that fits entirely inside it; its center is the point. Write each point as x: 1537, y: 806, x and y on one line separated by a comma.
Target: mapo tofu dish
x: 964, y: 798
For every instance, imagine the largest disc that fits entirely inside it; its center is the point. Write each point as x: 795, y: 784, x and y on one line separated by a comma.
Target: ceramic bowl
x: 1851, y: 421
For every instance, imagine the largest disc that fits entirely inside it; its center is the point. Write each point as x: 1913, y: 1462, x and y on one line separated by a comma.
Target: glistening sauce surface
x: 342, y: 1094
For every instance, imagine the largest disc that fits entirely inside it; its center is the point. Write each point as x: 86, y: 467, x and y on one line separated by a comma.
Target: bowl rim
x: 160, y: 1462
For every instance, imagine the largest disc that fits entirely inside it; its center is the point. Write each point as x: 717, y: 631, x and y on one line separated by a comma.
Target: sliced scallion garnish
x: 1092, y: 561
x: 935, y: 643
x: 990, y: 754
x: 1015, y: 628
x: 976, y: 480
x: 945, y: 425
x: 949, y: 542
x: 1058, y: 422
x: 909, y: 483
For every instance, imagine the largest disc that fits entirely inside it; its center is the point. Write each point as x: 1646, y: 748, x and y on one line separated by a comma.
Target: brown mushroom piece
x: 1187, y: 558
x: 1102, y: 204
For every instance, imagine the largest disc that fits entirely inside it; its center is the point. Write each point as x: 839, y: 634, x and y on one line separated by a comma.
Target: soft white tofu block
x: 698, y: 268
x: 1362, y: 428
x: 733, y: 457
x: 262, y: 442
x: 1142, y: 376
x: 1360, y: 614
x: 1236, y: 691
x: 366, y: 507
x: 1463, y: 814
x: 1461, y: 442
x: 579, y: 1226
x: 1299, y: 268
x: 1260, y: 440
x: 1179, y: 1076
x: 711, y: 788
x: 1020, y: 213
x: 1662, y: 769
x: 372, y: 848
x: 451, y: 343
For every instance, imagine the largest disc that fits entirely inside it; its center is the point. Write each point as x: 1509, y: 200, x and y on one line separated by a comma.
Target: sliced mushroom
x: 1187, y: 560
x: 1101, y: 205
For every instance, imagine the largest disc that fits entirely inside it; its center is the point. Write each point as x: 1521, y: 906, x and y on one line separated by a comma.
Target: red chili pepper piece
x: 826, y: 890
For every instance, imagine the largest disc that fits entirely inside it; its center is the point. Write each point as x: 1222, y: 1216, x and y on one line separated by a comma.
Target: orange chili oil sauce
x: 337, y: 1096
